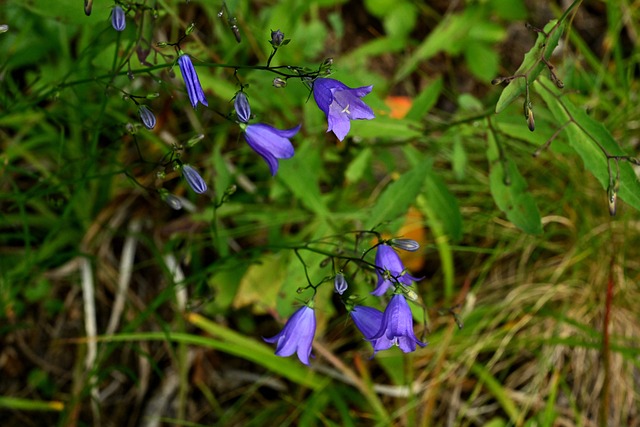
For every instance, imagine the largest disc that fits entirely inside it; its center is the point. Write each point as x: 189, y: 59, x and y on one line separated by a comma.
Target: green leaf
x: 444, y: 206
x: 482, y: 60
x: 300, y: 175
x: 532, y: 64
x: 425, y: 101
x: 358, y: 165
x: 582, y: 137
x: 397, y: 197
x: 386, y: 128
x: 509, y: 190
x: 446, y: 37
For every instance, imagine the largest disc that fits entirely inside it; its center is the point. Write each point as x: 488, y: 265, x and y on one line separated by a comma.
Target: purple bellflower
x: 147, y: 117
x: 194, y: 88
x: 396, y: 327
x: 271, y: 143
x: 341, y: 104
x: 390, y: 270
x: 118, y: 21
x: 297, y: 335
x: 194, y: 179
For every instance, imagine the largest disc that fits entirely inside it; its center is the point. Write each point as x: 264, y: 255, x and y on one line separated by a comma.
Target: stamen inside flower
x: 346, y: 109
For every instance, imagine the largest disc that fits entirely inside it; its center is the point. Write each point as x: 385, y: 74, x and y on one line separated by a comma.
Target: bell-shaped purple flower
x: 271, y: 143
x: 390, y: 270
x: 297, y: 335
x: 147, y: 117
x: 396, y: 327
x: 367, y: 320
x: 341, y: 104
x: 243, y: 110
x: 194, y: 179
x: 118, y: 21
x: 191, y: 80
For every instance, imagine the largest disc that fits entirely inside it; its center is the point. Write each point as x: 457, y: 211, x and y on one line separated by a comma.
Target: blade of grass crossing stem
x: 496, y: 389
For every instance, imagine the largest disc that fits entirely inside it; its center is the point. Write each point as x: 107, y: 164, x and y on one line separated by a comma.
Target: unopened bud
x: 147, y: 117
x: 279, y: 83
x: 497, y: 81
x: 277, y: 38
x: 190, y: 28
x: 153, y: 95
x: 161, y: 44
x: 173, y: 201
x: 411, y: 294
x: 4, y: 28
x: 528, y: 114
x: 340, y: 284
x: 405, y: 244
x: 612, y: 197
x: 230, y: 190
x: 194, y: 140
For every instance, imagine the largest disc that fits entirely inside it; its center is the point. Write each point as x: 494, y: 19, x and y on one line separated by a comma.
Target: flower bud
x: 153, y: 95
x: 190, y: 28
x: 277, y: 38
x: 405, y: 244
x: 194, y: 179
x: 161, y: 44
x: 4, y: 28
x: 243, y: 110
x: 118, y: 21
x: 279, y: 83
x: 411, y: 295
x: 340, y: 284
x: 147, y: 117
x: 194, y: 140
x: 173, y: 201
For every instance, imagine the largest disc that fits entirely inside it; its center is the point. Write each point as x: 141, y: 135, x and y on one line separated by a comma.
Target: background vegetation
x: 117, y: 310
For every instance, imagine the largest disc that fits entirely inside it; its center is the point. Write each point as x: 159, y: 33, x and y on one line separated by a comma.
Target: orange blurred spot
x: 413, y: 228
x: 399, y: 105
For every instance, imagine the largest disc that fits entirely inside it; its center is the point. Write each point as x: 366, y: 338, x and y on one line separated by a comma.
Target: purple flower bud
x: 194, y: 179
x: 297, y: 335
x: 277, y: 38
x: 147, y: 117
x: 405, y: 244
x: 271, y: 143
x: 341, y: 104
x: 118, y: 21
x: 243, y: 110
x: 340, y: 284
x: 191, y: 80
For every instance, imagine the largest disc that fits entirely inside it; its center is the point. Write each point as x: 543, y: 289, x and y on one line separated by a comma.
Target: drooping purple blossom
x: 194, y: 179
x: 297, y: 335
x: 118, y: 21
x: 390, y: 270
x: 396, y: 327
x: 367, y: 320
x: 341, y: 104
x: 242, y: 107
x: 271, y: 143
x: 147, y: 117
x: 191, y: 80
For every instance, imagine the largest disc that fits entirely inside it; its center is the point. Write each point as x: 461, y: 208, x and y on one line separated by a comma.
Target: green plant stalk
x: 18, y: 404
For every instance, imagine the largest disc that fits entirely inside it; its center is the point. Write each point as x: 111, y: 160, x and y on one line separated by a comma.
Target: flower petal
x: 271, y: 143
